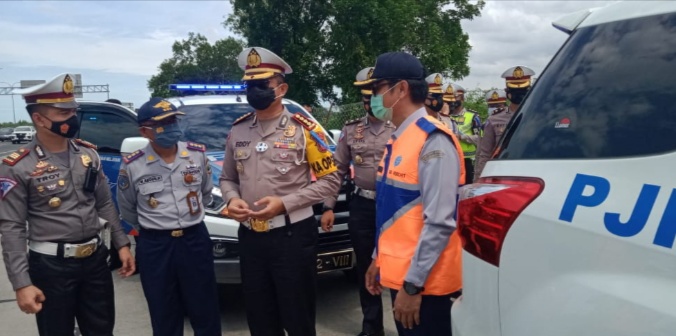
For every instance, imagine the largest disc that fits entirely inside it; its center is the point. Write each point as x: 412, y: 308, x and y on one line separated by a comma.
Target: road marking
x: 3, y: 153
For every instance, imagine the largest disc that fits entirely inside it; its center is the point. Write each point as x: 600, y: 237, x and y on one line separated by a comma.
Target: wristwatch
x: 326, y: 208
x: 412, y: 289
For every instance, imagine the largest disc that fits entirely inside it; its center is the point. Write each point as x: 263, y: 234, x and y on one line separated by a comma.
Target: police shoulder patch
x: 197, y: 146
x: 242, y: 118
x: 133, y: 156
x: 14, y: 158
x: 86, y: 144
x: 307, y: 123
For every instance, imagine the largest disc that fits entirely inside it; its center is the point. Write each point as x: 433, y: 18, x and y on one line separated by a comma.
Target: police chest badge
x: 193, y: 203
x: 86, y: 160
x: 358, y: 159
x: 290, y: 131
x: 153, y: 202
x: 54, y: 202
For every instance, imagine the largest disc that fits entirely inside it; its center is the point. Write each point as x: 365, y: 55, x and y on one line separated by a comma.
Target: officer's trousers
x: 469, y: 171
x: 435, y: 316
x: 178, y: 278
x: 362, y: 228
x: 79, y: 289
x: 279, y: 278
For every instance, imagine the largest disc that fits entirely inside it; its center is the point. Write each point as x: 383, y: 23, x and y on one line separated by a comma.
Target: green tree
x: 195, y: 60
x: 328, y: 42
x: 361, y: 30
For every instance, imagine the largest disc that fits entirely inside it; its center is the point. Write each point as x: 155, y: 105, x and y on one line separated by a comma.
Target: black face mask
x: 517, y: 96
x: 67, y: 128
x: 260, y: 98
x: 435, y: 102
x: 367, y: 105
x: 454, y: 105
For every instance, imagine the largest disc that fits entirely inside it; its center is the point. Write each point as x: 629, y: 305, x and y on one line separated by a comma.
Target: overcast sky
x: 122, y: 43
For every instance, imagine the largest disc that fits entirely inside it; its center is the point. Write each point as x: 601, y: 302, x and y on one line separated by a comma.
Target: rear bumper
x: 476, y: 312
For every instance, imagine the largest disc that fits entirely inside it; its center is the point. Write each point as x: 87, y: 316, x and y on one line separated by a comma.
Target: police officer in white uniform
x: 162, y: 190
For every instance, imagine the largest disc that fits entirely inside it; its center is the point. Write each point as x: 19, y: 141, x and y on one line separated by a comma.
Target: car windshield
x: 210, y: 123
x: 22, y: 129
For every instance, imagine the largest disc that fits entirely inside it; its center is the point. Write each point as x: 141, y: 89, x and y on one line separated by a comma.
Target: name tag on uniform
x: 193, y: 203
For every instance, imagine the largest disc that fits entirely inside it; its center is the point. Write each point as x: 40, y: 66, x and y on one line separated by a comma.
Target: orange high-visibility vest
x: 399, y: 215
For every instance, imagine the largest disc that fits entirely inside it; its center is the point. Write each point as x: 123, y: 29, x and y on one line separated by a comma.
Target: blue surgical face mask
x: 379, y: 110
x: 167, y: 136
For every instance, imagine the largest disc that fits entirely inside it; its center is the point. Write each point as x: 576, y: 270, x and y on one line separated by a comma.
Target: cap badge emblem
x: 437, y: 79
x: 253, y: 59
x: 164, y: 105
x: 68, y: 85
x: 518, y: 72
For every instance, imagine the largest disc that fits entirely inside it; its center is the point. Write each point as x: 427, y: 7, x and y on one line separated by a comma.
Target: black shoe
x: 380, y: 333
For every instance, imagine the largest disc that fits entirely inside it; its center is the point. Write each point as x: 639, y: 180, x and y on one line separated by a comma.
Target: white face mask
x: 491, y: 110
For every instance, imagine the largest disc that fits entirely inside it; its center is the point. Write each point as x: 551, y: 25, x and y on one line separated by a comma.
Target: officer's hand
x: 372, y: 284
x: 328, y: 218
x: 273, y: 207
x: 239, y: 210
x: 30, y: 299
x: 128, y: 263
x: 407, y: 309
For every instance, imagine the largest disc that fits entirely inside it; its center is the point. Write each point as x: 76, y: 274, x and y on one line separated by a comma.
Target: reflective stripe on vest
x: 400, y: 217
x: 465, y: 127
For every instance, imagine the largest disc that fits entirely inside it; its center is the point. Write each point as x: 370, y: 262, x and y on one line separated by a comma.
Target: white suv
x: 570, y: 230
x: 23, y: 134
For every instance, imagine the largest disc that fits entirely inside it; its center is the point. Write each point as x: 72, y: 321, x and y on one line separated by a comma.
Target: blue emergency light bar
x: 206, y: 87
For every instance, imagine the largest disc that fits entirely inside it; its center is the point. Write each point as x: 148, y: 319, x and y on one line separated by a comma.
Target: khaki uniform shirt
x: 278, y: 163
x: 35, y: 187
x: 158, y: 196
x: 493, y: 130
x: 450, y: 123
x: 363, y: 145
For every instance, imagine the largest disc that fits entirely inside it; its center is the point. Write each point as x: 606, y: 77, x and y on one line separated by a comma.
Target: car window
x: 609, y: 92
x: 107, y: 130
x: 22, y: 129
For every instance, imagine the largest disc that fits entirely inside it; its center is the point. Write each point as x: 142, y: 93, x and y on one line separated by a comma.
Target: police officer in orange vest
x: 418, y: 251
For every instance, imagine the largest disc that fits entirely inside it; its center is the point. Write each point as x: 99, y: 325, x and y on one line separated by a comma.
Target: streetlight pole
x: 12, y: 94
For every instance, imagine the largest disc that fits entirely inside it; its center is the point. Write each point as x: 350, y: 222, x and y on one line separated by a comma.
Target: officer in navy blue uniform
x: 162, y: 191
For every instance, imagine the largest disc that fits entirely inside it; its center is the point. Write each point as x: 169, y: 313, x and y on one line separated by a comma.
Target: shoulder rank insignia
x: 307, y: 123
x: 86, y: 144
x: 14, y: 158
x: 353, y: 121
x: 133, y: 156
x: 242, y: 118
x: 197, y: 147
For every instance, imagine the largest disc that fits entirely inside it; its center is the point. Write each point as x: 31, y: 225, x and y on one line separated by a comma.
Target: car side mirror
x: 130, y: 145
x: 335, y: 134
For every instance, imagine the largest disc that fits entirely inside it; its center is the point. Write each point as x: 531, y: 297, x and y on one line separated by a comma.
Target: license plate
x: 333, y: 261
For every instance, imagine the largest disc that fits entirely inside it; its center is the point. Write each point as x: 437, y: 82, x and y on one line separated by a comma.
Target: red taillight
x: 488, y: 208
